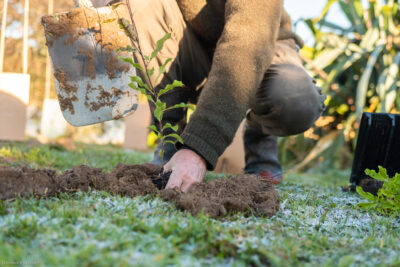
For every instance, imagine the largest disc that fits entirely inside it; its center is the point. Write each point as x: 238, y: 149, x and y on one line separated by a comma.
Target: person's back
x: 207, y: 18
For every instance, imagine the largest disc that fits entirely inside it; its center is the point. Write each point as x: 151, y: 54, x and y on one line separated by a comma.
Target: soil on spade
x: 216, y: 198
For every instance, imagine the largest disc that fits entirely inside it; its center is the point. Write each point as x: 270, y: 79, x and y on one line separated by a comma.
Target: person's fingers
x: 187, y: 184
x: 168, y: 167
x: 174, y: 181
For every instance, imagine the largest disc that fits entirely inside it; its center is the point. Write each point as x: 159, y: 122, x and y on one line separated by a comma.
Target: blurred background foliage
x: 358, y: 69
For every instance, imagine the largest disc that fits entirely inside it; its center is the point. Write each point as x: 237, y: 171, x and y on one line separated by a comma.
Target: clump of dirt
x: 135, y: 180
x: 69, y: 91
x: 112, y: 64
x: 66, y: 103
x: 89, y: 62
x: 126, y: 180
x: 244, y: 193
x: 103, y: 28
x: 103, y: 97
x: 62, y: 79
x: 371, y: 185
x: 24, y: 182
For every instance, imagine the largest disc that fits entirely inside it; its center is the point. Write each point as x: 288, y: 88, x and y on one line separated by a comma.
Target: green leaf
x: 139, y: 81
x: 130, y: 61
x: 366, y: 195
x: 150, y: 72
x: 364, y: 81
x: 161, y: 70
x: 159, y: 45
x: 170, y: 87
x: 383, y: 173
x: 380, y: 176
x: 176, y: 136
x: 388, y: 89
x: 325, y: 10
x: 350, y: 10
x: 150, y: 98
x: 169, y: 126
x: 181, y: 105
x: 134, y: 86
x: 159, y: 110
x: 370, y: 39
x: 343, y: 64
x: 311, y: 25
x: 191, y: 107
x: 334, y: 26
x: 153, y: 128
x: 327, y: 57
x: 367, y: 206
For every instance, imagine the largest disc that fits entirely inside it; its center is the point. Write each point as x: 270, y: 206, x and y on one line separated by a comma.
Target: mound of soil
x: 244, y: 193
x: 219, y: 197
x: 24, y: 182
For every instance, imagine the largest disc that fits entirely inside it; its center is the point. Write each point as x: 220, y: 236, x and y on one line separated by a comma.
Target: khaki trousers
x: 286, y: 103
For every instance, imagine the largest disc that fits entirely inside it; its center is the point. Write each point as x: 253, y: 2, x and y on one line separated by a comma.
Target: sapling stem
x: 153, y: 92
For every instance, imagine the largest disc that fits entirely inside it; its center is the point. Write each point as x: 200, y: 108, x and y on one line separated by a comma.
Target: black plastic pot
x: 378, y: 144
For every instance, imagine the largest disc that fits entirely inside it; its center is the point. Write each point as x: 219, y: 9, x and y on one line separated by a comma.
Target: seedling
x: 147, y: 87
x: 387, y: 200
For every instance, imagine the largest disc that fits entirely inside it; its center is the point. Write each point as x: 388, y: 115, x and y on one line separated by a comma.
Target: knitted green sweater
x: 244, y: 33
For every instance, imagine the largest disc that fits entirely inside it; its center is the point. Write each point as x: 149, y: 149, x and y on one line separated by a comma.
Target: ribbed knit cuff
x: 205, y: 140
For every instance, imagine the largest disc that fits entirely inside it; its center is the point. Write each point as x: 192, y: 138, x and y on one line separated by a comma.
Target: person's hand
x: 188, y: 169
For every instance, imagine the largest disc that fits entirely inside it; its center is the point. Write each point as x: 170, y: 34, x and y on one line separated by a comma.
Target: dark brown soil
x: 105, y: 31
x: 25, y: 182
x: 368, y: 185
x: 244, y: 193
x: 66, y: 101
x: 371, y: 185
x: 104, y: 27
x: 216, y: 198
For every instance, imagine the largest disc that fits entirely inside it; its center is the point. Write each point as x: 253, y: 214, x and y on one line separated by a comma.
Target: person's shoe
x: 266, y: 175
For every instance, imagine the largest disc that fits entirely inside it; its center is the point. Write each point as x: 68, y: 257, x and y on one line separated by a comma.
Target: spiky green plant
x: 357, y: 66
x: 387, y: 200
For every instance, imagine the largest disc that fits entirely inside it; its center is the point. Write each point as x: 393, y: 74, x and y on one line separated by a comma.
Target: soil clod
x: 162, y: 181
x: 244, y: 193
x: 371, y: 185
x: 216, y: 198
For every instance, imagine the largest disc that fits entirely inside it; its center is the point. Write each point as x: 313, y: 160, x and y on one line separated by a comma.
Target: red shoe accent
x: 266, y: 175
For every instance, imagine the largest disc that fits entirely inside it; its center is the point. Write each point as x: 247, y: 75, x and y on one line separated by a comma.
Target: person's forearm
x: 243, y: 54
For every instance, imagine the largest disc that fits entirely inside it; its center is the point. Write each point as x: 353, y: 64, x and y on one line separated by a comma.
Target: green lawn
x: 318, y: 225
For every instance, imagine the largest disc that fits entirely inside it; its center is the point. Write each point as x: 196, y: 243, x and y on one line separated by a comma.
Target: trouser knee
x: 288, y: 102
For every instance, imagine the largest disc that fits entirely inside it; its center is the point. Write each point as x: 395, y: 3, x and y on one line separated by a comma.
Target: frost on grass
x: 315, y: 225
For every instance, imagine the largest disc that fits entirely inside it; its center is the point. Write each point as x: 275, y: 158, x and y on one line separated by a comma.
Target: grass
x: 318, y: 224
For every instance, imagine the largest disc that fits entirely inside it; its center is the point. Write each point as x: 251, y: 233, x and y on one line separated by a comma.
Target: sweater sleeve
x: 242, y: 56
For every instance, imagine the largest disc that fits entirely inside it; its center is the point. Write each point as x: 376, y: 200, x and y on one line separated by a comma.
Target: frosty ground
x: 318, y: 224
